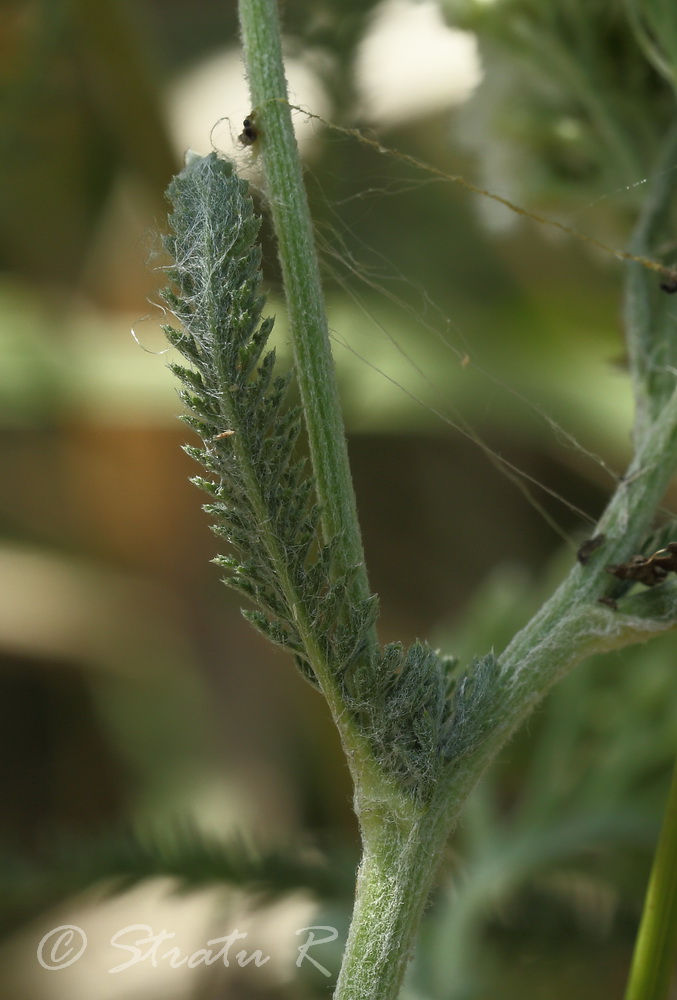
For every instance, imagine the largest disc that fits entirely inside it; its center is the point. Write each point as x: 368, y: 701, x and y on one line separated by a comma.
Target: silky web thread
x: 366, y: 275
x: 521, y: 479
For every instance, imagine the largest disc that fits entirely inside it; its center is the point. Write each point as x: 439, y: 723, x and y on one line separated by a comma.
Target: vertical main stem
x: 393, y: 883
x: 404, y: 842
x: 315, y: 372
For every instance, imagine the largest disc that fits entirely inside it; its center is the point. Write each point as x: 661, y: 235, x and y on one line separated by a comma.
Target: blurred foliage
x: 571, y: 110
x: 180, y: 852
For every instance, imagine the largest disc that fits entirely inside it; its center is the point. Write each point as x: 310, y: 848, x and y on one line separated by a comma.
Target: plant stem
x: 654, y: 957
x: 648, y: 323
x: 288, y: 204
x: 570, y: 627
x: 403, y: 836
x: 397, y: 869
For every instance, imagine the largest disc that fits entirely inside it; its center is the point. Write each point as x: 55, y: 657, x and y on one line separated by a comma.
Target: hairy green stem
x: 314, y: 365
x: 648, y: 319
x: 654, y: 957
x: 570, y: 627
x: 404, y: 833
x: 300, y: 269
x: 393, y: 882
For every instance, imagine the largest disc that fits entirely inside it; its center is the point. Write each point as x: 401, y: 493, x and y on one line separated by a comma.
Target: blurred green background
x: 146, y: 730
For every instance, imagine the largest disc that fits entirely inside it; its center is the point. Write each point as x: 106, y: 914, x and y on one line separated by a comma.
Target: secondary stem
x: 570, y: 627
x: 310, y: 332
x: 653, y: 961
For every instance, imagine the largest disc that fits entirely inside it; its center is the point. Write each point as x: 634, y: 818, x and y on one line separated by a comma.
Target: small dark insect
x: 588, y: 547
x: 609, y: 601
x: 670, y: 286
x: 249, y: 133
x: 648, y: 570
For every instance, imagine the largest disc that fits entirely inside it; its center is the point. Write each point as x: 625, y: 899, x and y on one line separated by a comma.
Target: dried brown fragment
x: 249, y: 133
x: 649, y: 570
x: 588, y: 547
